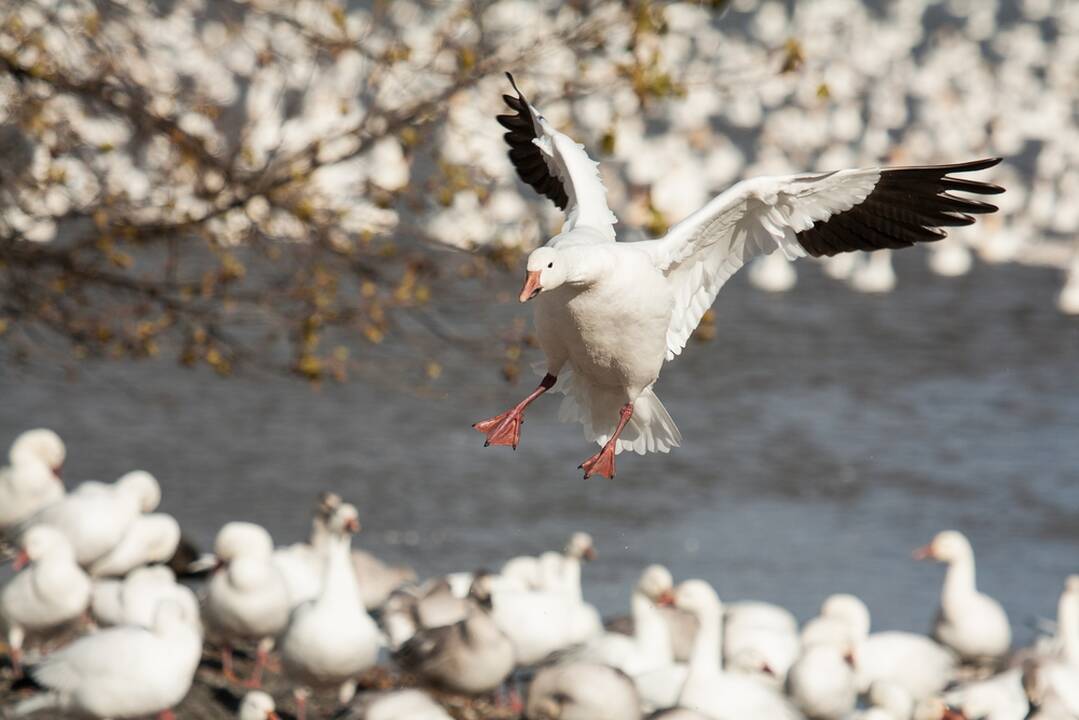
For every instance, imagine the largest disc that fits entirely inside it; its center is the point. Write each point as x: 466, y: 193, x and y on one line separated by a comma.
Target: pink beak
x: 666, y: 599
x: 352, y: 525
x: 923, y: 553
x: 532, y: 286
x: 21, y: 561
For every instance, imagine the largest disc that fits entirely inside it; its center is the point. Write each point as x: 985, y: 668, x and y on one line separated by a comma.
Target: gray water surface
x: 827, y: 433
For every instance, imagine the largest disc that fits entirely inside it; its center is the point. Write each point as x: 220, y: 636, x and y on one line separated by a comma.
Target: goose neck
x: 650, y: 630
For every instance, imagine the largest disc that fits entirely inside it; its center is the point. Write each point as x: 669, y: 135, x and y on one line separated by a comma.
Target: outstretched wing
x: 811, y: 214
x: 556, y: 167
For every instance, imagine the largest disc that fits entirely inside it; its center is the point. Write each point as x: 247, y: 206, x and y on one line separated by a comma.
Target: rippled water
x: 827, y: 434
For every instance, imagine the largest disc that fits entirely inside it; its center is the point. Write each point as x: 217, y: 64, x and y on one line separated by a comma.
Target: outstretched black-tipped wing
x: 907, y: 206
x: 525, y: 155
x: 813, y: 214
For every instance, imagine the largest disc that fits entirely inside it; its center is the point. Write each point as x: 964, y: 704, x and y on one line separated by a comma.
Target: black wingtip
x: 514, y: 84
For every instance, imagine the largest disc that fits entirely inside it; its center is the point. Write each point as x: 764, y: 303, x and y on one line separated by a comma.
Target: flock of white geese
x: 99, y: 559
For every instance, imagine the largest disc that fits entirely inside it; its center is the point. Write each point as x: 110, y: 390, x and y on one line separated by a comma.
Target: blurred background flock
x: 264, y: 249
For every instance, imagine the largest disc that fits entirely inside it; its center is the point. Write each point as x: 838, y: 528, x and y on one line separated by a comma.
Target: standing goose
x: 50, y: 591
x: 969, y: 622
x: 608, y: 314
x: 247, y: 597
x: 331, y: 639
x: 32, y: 480
x: 708, y: 689
x: 121, y: 672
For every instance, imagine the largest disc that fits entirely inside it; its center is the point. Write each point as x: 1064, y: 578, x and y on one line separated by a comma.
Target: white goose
x: 608, y: 314
x: 917, y: 664
x: 134, y: 600
x: 122, y: 672
x: 582, y: 691
x: 151, y: 538
x: 301, y: 564
x: 246, y: 598
x: 649, y: 648
x: 708, y: 689
x: 50, y: 592
x: 257, y: 705
x: 331, y: 639
x: 96, y: 516
x: 403, y: 705
x: 969, y: 622
x: 822, y: 682
x: 32, y: 480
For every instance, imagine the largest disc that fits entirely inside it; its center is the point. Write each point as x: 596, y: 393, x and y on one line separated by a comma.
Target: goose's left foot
x: 505, y: 429
x: 602, y: 463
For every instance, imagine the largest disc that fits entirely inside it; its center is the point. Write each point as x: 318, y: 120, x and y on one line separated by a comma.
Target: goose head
x: 657, y: 585
x: 345, y: 520
x: 482, y: 589
x: 242, y: 539
x: 43, y: 543
x: 697, y: 598
x: 40, y: 445
x: 257, y: 705
x: 142, y: 486
x: 580, y: 546
x: 850, y: 612
x: 947, y: 546
x: 550, y: 268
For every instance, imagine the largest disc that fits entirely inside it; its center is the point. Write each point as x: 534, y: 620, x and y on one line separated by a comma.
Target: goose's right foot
x: 505, y: 429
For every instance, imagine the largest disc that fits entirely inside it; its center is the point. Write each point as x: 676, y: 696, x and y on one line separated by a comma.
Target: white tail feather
x: 651, y: 428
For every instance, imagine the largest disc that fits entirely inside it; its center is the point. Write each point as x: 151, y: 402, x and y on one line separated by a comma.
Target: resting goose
x: 96, y: 516
x: 121, y: 672
x: 246, y: 598
x: 151, y: 538
x: 609, y: 314
x: 402, y: 705
x: 32, y: 479
x: 914, y: 662
x: 969, y: 622
x: 134, y: 600
x: 472, y: 656
x: 50, y: 591
x: 582, y: 691
x: 822, y: 683
x: 331, y: 639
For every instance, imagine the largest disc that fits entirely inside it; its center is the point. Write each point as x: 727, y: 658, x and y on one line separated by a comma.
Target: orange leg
x: 602, y: 463
x: 226, y: 665
x: 505, y: 429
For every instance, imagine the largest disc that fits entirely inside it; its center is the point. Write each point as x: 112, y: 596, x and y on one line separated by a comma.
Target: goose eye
x: 550, y: 264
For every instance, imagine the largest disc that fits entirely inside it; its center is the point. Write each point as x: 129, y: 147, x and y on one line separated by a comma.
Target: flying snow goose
x: 969, y: 622
x: 151, y: 538
x: 708, y: 688
x: 121, y: 672
x: 50, y: 591
x: 608, y: 314
x: 331, y: 639
x: 582, y: 691
x: 32, y: 479
x: 257, y: 705
x: 96, y: 516
x: 472, y: 656
x: 247, y: 598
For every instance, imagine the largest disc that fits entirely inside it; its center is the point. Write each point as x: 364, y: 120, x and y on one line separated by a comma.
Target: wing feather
x: 812, y: 214
x: 555, y: 166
